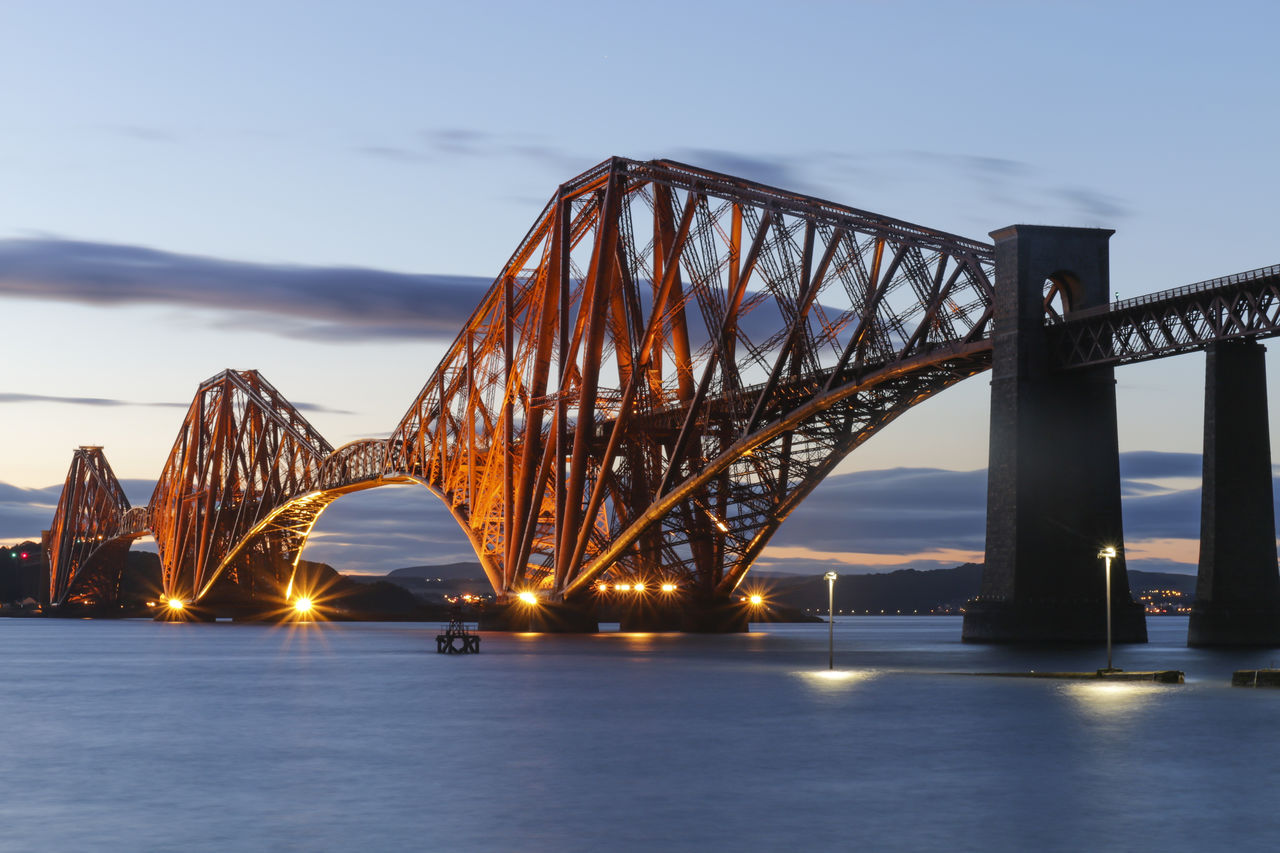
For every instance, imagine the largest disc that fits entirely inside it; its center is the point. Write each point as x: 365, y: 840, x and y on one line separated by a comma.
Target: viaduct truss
x: 671, y: 360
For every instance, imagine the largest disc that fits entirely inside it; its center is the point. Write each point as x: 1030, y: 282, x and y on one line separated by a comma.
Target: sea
x: 138, y: 736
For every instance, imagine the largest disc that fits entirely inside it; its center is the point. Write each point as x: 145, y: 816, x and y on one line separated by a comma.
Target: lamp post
x: 830, y: 578
x: 1108, y: 554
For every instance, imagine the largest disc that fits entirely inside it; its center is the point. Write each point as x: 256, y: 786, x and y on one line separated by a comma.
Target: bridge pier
x: 1238, y: 586
x: 697, y: 616
x: 545, y: 617
x: 1053, y: 482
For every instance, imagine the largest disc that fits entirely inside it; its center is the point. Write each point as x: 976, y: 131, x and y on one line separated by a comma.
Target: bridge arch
x: 92, y: 529
x: 655, y: 320
x: 354, y: 467
x: 669, y: 362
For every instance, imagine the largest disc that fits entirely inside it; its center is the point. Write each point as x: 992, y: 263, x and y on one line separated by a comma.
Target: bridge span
x: 668, y: 364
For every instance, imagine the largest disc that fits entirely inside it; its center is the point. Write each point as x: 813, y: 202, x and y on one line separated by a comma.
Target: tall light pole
x: 1108, y: 554
x: 830, y: 578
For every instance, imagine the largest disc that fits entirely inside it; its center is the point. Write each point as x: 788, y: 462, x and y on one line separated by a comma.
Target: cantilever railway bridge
x: 671, y: 360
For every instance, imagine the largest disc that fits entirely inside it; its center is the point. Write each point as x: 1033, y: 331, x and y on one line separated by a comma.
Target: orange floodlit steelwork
x: 243, y: 452
x: 668, y: 364
x: 671, y: 360
x: 91, y: 533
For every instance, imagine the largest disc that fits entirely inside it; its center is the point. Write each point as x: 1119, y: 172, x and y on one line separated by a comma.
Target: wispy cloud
x: 11, y: 397
x: 334, y: 304
x: 439, y: 145
x: 1094, y: 206
x: 783, y: 172
x: 907, y: 516
x: 921, y: 518
x: 142, y: 133
x: 391, y: 152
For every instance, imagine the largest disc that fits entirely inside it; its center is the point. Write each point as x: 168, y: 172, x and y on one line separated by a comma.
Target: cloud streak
x: 864, y: 521
x: 333, y: 304
x: 13, y: 397
x: 9, y: 397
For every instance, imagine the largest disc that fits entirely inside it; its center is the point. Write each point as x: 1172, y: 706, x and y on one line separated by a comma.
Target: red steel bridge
x: 669, y: 363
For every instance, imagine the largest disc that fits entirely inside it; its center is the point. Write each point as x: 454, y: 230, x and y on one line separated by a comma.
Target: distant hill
x: 466, y: 571
x: 913, y: 591
x: 902, y: 591
x: 1139, y: 580
x: 905, y: 590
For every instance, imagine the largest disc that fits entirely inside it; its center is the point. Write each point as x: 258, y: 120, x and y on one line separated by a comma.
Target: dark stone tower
x: 1053, y: 487
x: 1238, y: 589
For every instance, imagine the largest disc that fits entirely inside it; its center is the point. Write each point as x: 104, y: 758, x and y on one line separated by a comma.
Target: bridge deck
x: 1170, y: 322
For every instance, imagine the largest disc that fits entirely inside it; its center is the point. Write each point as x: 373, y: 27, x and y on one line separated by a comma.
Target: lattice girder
x: 655, y: 316
x: 90, y: 533
x: 1245, y: 305
x: 243, y: 450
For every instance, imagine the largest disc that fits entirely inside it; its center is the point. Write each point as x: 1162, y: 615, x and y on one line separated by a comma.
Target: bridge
x: 669, y: 363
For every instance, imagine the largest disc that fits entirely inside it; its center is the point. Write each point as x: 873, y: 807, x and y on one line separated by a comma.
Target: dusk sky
x: 322, y: 191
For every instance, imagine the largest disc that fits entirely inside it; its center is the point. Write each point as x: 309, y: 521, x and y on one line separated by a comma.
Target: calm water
x: 145, y: 736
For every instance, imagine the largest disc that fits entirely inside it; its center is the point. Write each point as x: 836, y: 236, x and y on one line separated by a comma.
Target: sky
x: 323, y: 190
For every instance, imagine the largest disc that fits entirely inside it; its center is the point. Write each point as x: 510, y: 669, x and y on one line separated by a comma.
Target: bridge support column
x: 545, y: 617
x: 1238, y: 588
x: 1053, y: 482
x: 695, y: 616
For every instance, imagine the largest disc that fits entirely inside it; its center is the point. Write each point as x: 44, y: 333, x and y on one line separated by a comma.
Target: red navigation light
x: 24, y: 555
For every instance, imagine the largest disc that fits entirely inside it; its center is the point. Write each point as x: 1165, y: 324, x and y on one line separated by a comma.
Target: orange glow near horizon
x: 851, y: 558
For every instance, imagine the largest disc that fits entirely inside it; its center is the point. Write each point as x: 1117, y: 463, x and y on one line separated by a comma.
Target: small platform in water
x: 456, y: 638
x: 1158, y: 676
x: 1255, y: 678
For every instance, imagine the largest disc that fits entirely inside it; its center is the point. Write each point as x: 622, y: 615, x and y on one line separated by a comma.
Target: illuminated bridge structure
x: 669, y: 363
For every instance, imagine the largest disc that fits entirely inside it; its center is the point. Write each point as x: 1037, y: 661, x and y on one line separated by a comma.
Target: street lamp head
x: 830, y: 576
x: 1109, y: 552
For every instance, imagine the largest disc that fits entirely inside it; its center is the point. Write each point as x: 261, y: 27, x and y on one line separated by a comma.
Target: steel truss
x: 242, y: 452
x: 92, y: 528
x: 669, y: 363
x: 1245, y: 305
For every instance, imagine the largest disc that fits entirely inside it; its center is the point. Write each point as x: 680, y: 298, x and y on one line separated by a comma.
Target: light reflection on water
x: 829, y: 679
x: 143, y: 736
x: 1112, y: 699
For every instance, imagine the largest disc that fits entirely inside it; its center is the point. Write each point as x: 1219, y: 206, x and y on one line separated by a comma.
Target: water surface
x: 143, y: 736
